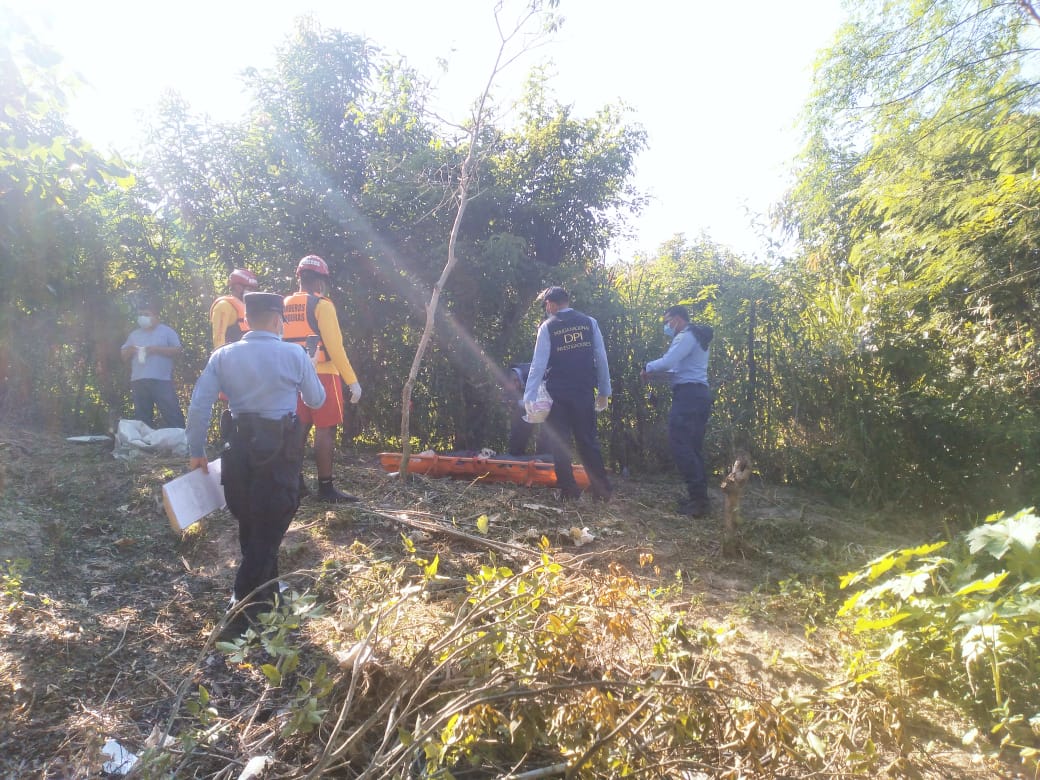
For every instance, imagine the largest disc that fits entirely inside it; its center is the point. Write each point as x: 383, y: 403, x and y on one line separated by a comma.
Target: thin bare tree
x: 514, y: 41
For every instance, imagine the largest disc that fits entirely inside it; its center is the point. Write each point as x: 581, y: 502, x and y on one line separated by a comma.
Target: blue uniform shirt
x: 260, y: 374
x: 540, y: 360
x: 685, y: 361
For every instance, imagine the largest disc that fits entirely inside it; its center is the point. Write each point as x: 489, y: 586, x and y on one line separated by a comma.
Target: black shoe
x: 570, y: 494
x: 603, y: 496
x: 246, y: 618
x: 235, y: 627
x: 692, y: 508
x: 329, y: 495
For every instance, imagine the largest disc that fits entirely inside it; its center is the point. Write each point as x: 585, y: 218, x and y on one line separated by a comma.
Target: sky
x: 718, y: 87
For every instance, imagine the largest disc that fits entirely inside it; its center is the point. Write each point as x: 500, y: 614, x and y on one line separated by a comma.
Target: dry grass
x: 109, y: 632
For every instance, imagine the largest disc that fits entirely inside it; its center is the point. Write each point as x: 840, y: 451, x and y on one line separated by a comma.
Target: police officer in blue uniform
x: 686, y: 366
x: 262, y: 376
x: 570, y: 354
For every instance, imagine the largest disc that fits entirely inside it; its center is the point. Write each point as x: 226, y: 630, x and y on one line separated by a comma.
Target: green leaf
x: 999, y: 537
x: 876, y: 624
x: 987, y: 584
x: 888, y: 561
x: 272, y: 674
x: 850, y: 603
x: 290, y: 663
x: 431, y: 569
x: 910, y: 583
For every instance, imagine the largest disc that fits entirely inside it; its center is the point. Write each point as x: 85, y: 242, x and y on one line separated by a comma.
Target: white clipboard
x: 190, y: 497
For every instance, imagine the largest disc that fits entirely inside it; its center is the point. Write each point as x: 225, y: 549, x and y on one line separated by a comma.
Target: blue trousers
x: 687, y: 422
x: 152, y: 394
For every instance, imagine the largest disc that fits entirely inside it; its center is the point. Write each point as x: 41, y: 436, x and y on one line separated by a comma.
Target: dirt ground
x: 105, y: 610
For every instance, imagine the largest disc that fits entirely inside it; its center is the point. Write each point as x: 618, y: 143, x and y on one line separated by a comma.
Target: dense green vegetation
x: 886, y: 352
x: 961, y: 618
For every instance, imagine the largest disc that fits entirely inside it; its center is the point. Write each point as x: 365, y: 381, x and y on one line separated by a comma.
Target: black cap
x: 556, y: 295
x: 263, y: 302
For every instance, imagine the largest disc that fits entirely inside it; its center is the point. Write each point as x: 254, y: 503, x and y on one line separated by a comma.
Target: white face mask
x: 144, y: 322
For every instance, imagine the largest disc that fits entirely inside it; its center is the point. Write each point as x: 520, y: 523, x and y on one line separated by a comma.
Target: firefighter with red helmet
x: 311, y: 322
x: 227, y: 315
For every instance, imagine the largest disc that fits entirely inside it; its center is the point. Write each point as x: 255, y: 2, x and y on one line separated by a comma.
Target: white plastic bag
x: 538, y: 409
x: 133, y: 438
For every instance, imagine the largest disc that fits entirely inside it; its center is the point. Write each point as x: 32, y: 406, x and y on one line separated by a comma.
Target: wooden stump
x: 732, y: 490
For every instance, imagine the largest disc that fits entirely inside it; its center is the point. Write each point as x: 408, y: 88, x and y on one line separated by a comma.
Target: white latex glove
x: 601, y: 402
x: 355, y: 393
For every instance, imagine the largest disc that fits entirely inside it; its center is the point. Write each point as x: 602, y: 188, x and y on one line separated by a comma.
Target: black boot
x: 569, y: 495
x: 329, y: 495
x: 693, y: 508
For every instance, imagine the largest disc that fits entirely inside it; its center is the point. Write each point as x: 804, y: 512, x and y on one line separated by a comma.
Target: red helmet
x: 313, y: 263
x: 242, y: 276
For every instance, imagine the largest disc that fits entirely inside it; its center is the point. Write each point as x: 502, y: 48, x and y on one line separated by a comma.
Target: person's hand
x: 601, y: 402
x: 199, y: 463
x: 355, y: 393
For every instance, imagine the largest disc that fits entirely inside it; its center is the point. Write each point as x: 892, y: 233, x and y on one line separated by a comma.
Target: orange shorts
x: 330, y: 414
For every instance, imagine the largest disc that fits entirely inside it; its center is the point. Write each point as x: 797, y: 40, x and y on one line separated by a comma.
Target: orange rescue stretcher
x: 522, y: 472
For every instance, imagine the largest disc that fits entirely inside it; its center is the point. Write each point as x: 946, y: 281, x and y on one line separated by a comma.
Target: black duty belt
x: 252, y: 423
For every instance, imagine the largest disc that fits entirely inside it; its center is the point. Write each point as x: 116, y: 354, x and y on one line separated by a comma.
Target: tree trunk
x: 467, y: 176
x: 732, y: 490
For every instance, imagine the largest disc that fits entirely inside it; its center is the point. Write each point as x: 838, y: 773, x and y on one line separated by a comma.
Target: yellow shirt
x: 332, y: 338
x: 221, y: 317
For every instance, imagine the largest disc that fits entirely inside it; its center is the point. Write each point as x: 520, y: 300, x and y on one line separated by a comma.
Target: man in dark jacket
x: 570, y: 353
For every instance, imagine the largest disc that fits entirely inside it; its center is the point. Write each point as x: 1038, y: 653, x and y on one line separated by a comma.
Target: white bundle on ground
x: 133, y: 438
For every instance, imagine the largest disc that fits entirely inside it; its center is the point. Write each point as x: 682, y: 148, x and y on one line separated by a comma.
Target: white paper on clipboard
x: 190, y: 497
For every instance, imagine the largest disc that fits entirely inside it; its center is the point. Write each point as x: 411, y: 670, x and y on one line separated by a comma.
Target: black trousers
x: 573, y: 414
x: 687, y: 422
x: 260, y: 471
x: 520, y: 433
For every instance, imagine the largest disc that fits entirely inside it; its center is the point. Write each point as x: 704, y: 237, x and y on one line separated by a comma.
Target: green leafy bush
x: 970, y: 620
x: 12, y: 576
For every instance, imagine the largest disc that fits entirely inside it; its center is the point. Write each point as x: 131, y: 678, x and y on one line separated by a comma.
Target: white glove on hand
x: 355, y: 393
x: 601, y: 402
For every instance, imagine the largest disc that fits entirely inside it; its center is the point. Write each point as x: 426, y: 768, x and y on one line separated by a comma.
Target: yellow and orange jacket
x: 315, y: 315
x: 227, y: 315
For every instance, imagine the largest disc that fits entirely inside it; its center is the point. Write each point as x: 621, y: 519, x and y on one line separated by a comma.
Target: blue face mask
x: 668, y: 331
